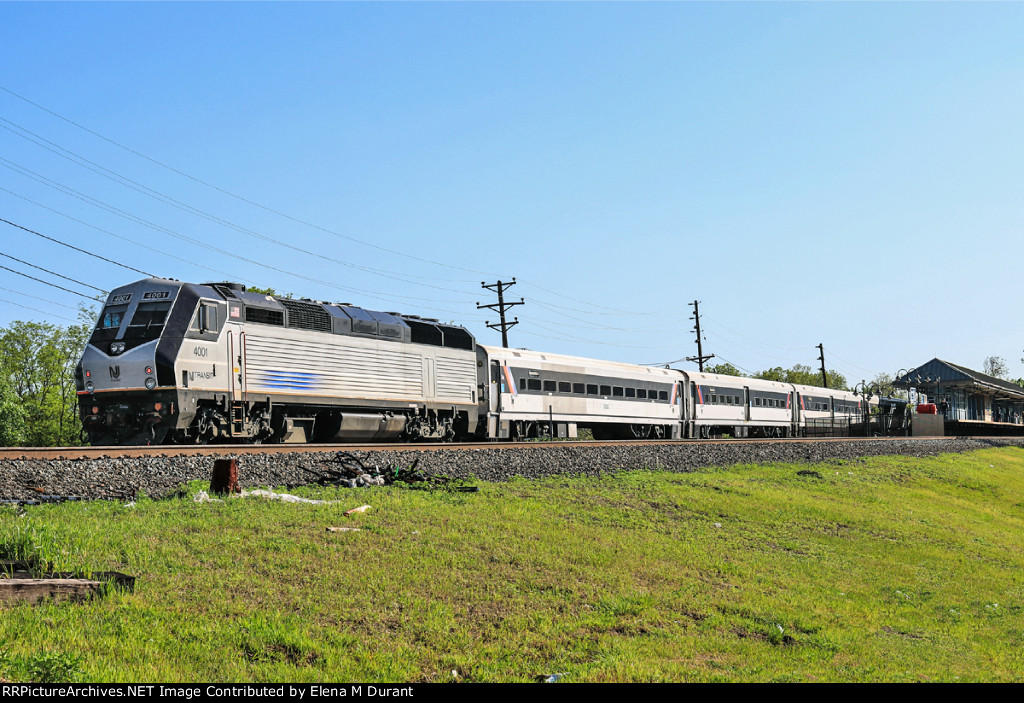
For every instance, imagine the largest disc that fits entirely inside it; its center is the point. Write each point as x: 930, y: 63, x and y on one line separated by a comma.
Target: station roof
x: 943, y: 374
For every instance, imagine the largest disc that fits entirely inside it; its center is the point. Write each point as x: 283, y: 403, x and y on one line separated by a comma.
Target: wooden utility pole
x: 824, y: 377
x: 700, y: 358
x: 501, y: 306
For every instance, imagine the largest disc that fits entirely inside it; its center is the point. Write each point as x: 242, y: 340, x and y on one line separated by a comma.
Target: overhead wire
x: 599, y: 309
x: 165, y: 230
x: 71, y: 246
x: 239, y: 197
x: 52, y: 285
x: 228, y: 276
x: 54, y: 273
x: 34, y: 297
x: 128, y: 183
x: 28, y: 307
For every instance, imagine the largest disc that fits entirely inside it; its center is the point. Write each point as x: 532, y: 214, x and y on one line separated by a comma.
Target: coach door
x: 494, y: 388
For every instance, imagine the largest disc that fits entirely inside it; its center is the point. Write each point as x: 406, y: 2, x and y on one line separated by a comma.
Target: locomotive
x: 175, y: 362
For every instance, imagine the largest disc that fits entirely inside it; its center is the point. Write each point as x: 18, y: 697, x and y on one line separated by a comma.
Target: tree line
x: 799, y: 374
x: 38, y: 400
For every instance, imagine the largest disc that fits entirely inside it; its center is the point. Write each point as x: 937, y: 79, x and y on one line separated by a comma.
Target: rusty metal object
x: 225, y: 477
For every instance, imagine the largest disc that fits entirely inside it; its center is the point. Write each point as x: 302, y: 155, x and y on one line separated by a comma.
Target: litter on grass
x: 287, y: 497
x: 204, y: 497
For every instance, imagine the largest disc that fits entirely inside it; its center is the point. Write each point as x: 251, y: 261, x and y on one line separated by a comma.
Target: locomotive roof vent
x: 227, y: 284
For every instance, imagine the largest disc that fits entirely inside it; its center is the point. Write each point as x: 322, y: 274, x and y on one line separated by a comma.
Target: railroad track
x: 74, y: 453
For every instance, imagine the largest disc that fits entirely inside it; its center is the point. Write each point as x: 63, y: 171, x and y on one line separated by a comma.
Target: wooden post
x: 225, y: 477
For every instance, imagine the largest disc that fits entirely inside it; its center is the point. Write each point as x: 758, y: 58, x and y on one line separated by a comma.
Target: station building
x: 971, y: 402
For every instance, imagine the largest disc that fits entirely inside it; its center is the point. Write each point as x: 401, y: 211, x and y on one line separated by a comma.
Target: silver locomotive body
x: 216, y: 363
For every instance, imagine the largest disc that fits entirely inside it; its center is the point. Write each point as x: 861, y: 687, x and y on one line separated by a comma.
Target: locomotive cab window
x: 148, y: 320
x: 112, y: 316
x: 109, y: 323
x: 207, y: 318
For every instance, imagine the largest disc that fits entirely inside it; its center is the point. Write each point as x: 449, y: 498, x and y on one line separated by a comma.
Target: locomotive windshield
x: 148, y: 321
x: 108, y: 324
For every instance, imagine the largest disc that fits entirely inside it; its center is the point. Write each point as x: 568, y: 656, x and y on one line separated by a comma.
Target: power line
x: 53, y: 273
x: 164, y: 230
x: 52, y: 285
x: 224, y: 223
x: 239, y: 197
x: 34, y: 297
x: 27, y: 307
x: 70, y: 246
x: 604, y: 310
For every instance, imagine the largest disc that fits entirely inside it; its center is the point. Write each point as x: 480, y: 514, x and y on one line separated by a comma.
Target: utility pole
x: 700, y: 358
x: 824, y: 378
x: 501, y: 306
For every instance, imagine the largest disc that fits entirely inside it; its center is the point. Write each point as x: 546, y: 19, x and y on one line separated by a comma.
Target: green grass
x: 886, y: 569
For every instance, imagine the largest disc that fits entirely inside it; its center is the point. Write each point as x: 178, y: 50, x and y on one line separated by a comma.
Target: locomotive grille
x: 264, y: 316
x: 307, y: 316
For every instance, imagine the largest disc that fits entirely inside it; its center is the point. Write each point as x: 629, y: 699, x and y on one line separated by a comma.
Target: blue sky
x: 850, y: 174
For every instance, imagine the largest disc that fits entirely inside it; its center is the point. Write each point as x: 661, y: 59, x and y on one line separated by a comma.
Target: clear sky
x: 849, y: 173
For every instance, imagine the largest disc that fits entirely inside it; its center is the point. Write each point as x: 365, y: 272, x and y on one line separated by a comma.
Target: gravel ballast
x: 157, y: 477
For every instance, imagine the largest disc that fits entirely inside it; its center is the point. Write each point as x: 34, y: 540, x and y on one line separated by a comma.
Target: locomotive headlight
x: 89, y: 387
x: 150, y: 383
x: 116, y: 347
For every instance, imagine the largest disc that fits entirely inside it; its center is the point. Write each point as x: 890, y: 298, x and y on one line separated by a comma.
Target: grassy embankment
x: 887, y: 569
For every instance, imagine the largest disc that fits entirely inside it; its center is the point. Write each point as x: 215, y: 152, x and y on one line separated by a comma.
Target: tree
x: 12, y: 417
x: 725, y: 369
x: 996, y: 366
x: 37, y: 364
x: 803, y: 375
x: 267, y: 291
